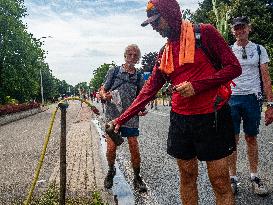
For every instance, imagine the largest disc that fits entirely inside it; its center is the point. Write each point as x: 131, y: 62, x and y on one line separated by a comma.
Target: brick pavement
x: 85, y: 168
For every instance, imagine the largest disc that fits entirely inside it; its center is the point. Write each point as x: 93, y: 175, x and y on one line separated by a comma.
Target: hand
x: 268, y: 116
x: 107, y: 96
x: 185, y: 89
x: 142, y: 113
x: 117, y: 126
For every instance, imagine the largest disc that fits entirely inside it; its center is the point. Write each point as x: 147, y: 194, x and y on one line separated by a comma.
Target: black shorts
x: 193, y: 136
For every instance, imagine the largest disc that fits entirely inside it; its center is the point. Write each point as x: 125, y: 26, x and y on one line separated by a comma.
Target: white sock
x: 253, y: 175
x: 234, y: 177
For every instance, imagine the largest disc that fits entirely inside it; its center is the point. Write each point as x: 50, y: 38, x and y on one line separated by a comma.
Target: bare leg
x: 219, y: 178
x: 134, y: 150
x: 252, y: 153
x: 232, y: 160
x: 111, y: 151
x: 188, y: 175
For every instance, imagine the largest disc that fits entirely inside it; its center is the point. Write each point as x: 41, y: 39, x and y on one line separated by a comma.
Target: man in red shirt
x: 200, y: 129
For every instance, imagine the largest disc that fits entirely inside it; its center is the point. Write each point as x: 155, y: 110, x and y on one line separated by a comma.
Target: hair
x: 130, y: 47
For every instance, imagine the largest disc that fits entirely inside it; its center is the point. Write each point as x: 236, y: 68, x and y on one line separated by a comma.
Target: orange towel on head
x: 187, y: 49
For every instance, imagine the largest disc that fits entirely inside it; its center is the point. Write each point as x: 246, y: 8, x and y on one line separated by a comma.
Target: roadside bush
x: 14, y: 108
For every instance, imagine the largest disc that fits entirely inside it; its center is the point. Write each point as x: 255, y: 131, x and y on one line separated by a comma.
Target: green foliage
x: 260, y: 13
x: 221, y: 12
x: 21, y: 58
x: 99, y: 75
x: 148, y: 61
x: 82, y: 88
x: 10, y: 100
x: 51, y: 197
x: 187, y: 14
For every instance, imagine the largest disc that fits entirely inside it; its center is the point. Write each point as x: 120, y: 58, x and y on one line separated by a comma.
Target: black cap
x: 152, y: 15
x: 243, y: 20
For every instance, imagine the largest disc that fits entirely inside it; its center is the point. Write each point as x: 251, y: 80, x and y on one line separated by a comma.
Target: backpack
x: 224, y: 92
x: 115, y: 75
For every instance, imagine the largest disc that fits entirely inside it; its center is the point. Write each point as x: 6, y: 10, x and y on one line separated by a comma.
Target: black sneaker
x: 234, y: 186
x: 108, y: 181
x: 139, y: 184
x: 258, y: 187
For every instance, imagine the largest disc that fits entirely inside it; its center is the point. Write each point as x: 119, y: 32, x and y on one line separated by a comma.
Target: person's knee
x: 188, y: 173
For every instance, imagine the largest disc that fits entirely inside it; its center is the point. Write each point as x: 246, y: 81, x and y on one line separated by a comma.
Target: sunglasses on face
x: 156, y: 22
x: 244, y: 55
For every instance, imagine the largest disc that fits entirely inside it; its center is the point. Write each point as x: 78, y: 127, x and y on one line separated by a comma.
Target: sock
x: 234, y: 177
x: 111, y: 167
x: 136, y: 171
x: 253, y: 175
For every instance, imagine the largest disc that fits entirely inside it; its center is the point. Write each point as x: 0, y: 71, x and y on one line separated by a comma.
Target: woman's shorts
x: 129, y: 132
x: 198, y: 136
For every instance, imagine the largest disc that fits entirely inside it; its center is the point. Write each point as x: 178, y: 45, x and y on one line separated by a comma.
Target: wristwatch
x: 269, y: 104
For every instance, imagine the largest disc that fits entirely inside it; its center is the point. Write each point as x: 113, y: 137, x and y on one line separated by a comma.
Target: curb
x: 99, y: 168
x: 19, y: 115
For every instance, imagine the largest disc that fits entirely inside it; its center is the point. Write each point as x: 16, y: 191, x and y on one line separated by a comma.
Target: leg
x: 135, y: 159
x: 232, y: 159
x: 111, y: 151
x: 111, y: 157
x: 252, y: 153
x: 134, y: 150
x: 188, y: 175
x: 219, y: 178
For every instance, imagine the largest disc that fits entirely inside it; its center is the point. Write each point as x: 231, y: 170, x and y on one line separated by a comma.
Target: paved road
x: 20, y: 147
x: 160, y: 171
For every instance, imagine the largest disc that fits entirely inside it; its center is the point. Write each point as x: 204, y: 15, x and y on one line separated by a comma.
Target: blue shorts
x: 248, y: 109
x: 129, y: 132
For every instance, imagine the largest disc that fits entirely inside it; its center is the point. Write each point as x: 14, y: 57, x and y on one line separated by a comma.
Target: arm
x: 148, y: 91
x: 221, y: 52
x: 268, y: 92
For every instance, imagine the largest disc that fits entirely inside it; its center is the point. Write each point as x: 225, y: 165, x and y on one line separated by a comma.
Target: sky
x: 81, y: 35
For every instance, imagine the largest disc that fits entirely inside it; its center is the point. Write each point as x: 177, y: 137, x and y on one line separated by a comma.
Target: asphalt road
x: 161, y: 174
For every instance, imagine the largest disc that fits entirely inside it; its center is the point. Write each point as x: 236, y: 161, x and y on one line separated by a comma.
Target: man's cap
x: 152, y: 14
x: 242, y: 20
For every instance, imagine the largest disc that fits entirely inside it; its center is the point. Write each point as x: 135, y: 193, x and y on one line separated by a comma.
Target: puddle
x: 121, y: 190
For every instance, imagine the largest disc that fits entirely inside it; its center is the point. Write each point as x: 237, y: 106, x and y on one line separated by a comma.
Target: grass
x: 51, y: 197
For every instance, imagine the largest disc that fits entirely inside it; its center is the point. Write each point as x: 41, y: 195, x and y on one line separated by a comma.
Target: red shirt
x: 204, y: 78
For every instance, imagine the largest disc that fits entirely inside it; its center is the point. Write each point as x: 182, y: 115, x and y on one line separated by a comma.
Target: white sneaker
x: 258, y: 187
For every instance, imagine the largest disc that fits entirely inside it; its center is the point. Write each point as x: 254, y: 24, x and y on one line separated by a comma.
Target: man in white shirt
x: 246, y: 99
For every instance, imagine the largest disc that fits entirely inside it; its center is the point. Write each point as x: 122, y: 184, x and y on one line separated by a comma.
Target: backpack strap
x: 198, y: 44
x: 115, y: 75
x: 259, y: 66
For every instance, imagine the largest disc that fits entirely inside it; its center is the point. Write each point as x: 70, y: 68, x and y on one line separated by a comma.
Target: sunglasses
x: 244, y: 55
x: 156, y: 22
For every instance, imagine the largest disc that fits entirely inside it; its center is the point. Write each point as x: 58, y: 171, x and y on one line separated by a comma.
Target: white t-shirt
x: 249, y: 81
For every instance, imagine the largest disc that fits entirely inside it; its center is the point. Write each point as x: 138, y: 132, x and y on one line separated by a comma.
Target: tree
x: 21, y: 57
x: 260, y: 13
x: 148, y: 61
x: 99, y: 75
